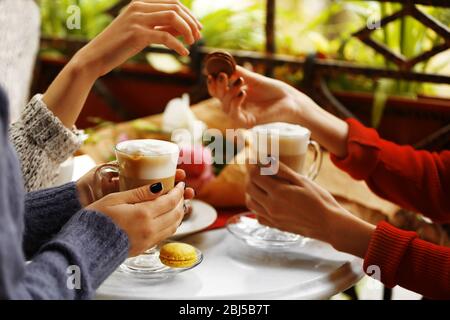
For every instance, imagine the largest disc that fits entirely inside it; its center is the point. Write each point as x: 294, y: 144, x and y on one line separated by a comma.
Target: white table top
x: 232, y: 270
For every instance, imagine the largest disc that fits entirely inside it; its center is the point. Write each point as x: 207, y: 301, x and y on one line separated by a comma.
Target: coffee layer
x: 127, y: 183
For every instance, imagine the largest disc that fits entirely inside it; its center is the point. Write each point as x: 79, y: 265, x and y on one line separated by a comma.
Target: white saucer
x: 203, y: 215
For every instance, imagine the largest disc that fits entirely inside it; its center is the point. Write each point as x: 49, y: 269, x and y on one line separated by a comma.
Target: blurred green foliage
x: 303, y: 26
x: 93, y: 13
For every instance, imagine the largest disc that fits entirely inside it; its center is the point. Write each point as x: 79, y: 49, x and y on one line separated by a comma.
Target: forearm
x: 89, y: 246
x: 67, y: 94
x: 349, y: 234
x: 46, y: 212
x: 327, y: 129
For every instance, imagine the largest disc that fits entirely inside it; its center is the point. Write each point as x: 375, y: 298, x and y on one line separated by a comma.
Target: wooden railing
x: 318, y: 71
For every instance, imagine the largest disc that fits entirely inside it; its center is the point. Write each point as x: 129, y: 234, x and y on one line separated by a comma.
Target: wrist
x: 83, y: 66
x: 350, y: 234
x: 306, y: 109
x: 328, y: 130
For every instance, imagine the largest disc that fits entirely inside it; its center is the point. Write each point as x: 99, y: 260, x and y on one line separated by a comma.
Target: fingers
x: 169, y: 30
x: 168, y: 14
x: 255, y: 192
x: 162, y: 18
x: 139, y: 195
x: 254, y: 205
x: 109, y: 186
x: 164, y: 38
x: 172, y: 218
x: 180, y: 5
x: 180, y: 175
x: 184, y: 15
x: 264, y: 183
x: 264, y: 220
x: 237, y: 113
x: 189, y: 194
x: 167, y: 202
x: 221, y: 85
x: 284, y: 176
x: 287, y: 174
x: 233, y: 90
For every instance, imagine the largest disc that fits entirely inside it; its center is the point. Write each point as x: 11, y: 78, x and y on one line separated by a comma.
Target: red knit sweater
x: 415, y: 180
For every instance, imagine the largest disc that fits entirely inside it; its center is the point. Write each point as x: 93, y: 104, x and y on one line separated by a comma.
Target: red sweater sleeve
x: 416, y: 180
x: 406, y: 260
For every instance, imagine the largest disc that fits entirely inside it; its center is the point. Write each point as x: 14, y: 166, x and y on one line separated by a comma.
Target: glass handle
x: 313, y: 171
x: 103, y: 177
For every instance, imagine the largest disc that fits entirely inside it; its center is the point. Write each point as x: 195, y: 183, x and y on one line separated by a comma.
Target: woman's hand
x: 147, y: 218
x: 293, y: 203
x: 250, y: 98
x: 110, y: 184
x: 140, y: 24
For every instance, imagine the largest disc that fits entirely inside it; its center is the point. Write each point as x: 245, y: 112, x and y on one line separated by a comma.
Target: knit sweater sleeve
x: 42, y: 143
x: 70, y: 266
x: 417, y: 180
x: 403, y: 259
x: 46, y: 212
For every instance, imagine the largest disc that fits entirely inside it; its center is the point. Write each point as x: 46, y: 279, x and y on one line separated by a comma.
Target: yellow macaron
x: 178, y: 255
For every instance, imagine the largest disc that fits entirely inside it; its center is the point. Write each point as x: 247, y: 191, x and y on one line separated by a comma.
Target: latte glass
x: 288, y: 144
x: 140, y: 163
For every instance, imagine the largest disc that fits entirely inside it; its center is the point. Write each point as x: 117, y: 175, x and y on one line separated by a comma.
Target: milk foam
x: 147, y: 158
x: 283, y: 129
x: 292, y: 139
x: 147, y: 147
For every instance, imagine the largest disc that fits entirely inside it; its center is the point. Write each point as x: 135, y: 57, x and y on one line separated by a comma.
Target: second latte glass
x: 286, y: 143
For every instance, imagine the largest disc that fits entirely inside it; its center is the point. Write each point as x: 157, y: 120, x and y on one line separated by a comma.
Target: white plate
x: 202, y: 216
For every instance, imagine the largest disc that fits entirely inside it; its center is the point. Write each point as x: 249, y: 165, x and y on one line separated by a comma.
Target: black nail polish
x: 155, y: 188
x: 238, y: 82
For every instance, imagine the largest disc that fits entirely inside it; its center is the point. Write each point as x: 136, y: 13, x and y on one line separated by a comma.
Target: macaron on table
x: 178, y: 255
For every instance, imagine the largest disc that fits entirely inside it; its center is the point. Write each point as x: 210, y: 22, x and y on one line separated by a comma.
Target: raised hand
x: 250, y: 98
x: 140, y: 24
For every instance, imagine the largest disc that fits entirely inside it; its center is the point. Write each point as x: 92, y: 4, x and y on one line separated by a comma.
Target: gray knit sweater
x: 41, y: 140
x: 42, y: 143
x: 49, y: 228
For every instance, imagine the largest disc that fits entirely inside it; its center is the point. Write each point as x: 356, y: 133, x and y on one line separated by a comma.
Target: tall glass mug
x: 140, y: 163
x: 288, y: 144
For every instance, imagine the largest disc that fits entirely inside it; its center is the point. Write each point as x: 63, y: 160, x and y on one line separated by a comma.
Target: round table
x: 233, y: 270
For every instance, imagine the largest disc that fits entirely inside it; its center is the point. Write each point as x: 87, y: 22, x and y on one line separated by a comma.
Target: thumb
x: 142, y: 194
x: 289, y: 175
